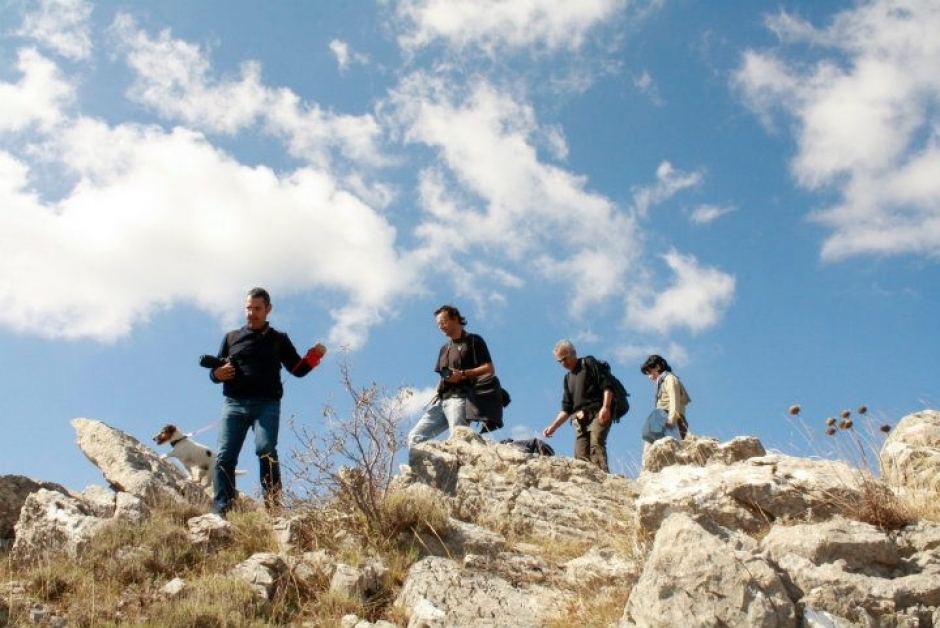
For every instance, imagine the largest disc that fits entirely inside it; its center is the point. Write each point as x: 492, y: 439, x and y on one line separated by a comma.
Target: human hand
x: 225, y: 372
x: 548, y: 431
x: 315, y: 354
x: 603, y: 416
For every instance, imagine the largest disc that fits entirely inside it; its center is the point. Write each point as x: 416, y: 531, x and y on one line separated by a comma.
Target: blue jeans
x: 238, y: 416
x: 442, y: 414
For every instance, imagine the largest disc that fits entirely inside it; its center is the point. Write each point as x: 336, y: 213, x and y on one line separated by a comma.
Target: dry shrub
x: 413, y: 512
x: 593, y: 608
x: 880, y: 506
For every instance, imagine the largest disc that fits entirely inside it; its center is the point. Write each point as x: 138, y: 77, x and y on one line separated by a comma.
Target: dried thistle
x: 794, y: 409
x: 831, y: 421
x: 862, y: 409
x: 830, y: 431
x: 846, y: 424
x: 845, y: 414
x: 885, y: 428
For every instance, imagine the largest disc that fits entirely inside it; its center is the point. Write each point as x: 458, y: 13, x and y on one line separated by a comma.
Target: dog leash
x: 203, y: 429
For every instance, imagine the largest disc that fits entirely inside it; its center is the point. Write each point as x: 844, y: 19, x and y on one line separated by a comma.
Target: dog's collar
x: 181, y: 438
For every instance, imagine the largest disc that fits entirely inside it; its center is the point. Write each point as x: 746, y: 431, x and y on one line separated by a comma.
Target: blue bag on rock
x: 655, y: 427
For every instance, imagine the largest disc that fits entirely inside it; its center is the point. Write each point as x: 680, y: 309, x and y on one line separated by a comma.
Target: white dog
x: 198, y: 459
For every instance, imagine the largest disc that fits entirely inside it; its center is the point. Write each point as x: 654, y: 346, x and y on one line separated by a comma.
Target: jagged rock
x: 503, y: 488
x: 699, y: 451
x: 858, y: 573
x: 263, y: 571
x: 439, y: 593
x: 361, y: 581
x: 51, y: 522
x: 462, y: 538
x: 750, y: 495
x: 910, y: 456
x: 14, y: 489
x: 209, y: 530
x: 131, y: 467
x: 173, y: 588
x: 698, y: 577
x: 602, y: 567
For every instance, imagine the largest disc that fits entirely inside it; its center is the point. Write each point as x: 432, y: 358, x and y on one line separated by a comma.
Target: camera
x: 210, y: 362
x: 445, y: 372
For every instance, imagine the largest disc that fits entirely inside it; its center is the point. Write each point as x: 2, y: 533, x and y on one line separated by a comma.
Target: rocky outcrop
x: 910, y: 456
x: 14, y: 489
x: 131, y: 467
x: 710, y: 534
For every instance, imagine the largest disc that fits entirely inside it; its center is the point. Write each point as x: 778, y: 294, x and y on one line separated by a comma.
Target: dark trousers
x: 590, y: 441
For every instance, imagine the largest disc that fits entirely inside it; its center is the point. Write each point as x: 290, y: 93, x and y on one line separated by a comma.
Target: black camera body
x: 210, y: 362
x: 445, y: 372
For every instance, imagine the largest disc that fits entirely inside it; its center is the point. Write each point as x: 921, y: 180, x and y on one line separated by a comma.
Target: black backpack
x: 620, y: 405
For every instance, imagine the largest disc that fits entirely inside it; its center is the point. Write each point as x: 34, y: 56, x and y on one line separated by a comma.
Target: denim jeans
x: 238, y: 416
x: 443, y: 414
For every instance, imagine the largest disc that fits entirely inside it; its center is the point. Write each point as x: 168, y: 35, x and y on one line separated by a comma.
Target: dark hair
x: 260, y: 293
x: 452, y: 312
x: 655, y: 361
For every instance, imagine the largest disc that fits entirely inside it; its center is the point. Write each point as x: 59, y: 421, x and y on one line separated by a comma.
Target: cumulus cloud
x: 38, y: 97
x: 62, y: 26
x: 175, y: 78
x: 696, y: 297
x: 867, y: 121
x: 505, y: 197
x: 494, y: 24
x: 137, y: 229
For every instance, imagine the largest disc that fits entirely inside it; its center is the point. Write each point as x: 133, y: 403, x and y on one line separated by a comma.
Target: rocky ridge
x: 710, y: 534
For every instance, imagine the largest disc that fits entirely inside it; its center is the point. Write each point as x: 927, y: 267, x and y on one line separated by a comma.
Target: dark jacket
x: 584, y: 387
x: 258, y: 357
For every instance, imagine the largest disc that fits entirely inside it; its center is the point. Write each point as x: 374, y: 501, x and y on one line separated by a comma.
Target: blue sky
x: 750, y: 189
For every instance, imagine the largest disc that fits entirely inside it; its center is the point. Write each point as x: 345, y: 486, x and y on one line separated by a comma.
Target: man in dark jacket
x: 252, y: 390
x: 586, y: 399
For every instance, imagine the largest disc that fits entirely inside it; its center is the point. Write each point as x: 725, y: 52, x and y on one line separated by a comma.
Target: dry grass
x: 593, y: 608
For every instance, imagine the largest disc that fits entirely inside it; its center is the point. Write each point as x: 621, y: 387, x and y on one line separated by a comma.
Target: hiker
x: 252, y: 391
x: 463, y: 358
x: 671, y: 396
x: 586, y: 399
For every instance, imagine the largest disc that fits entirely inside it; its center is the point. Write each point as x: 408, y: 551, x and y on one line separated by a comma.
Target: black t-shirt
x: 467, y: 352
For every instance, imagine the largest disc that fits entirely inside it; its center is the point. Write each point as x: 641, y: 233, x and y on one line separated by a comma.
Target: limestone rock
x: 910, y: 456
x: 131, y: 467
x: 14, y: 489
x: 697, y: 577
x: 439, y: 593
x: 51, y: 523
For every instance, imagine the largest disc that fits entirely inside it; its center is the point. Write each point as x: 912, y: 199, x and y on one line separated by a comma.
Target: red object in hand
x: 313, y: 357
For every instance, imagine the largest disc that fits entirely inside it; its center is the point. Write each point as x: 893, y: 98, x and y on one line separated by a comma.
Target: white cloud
x: 867, y: 121
x: 38, y: 97
x: 669, y: 181
x: 494, y: 24
x: 705, y: 214
x: 175, y: 78
x: 345, y: 56
x: 696, y: 298
x: 137, y: 229
x: 492, y: 190
x: 61, y: 25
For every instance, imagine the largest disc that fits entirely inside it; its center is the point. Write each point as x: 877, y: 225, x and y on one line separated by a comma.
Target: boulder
x: 910, y: 456
x: 131, y: 467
